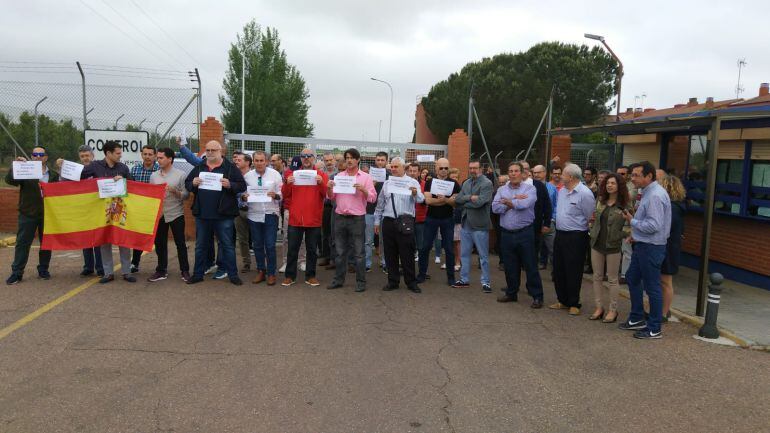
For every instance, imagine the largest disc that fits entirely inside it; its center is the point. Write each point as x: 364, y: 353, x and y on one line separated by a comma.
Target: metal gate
x: 598, y: 156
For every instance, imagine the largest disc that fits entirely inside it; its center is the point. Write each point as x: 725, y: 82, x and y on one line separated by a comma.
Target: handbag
x: 404, y: 223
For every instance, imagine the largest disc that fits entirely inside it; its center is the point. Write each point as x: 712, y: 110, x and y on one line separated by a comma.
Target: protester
x: 111, y: 167
x: 549, y: 230
x: 395, y: 214
x: 589, y: 179
x: 243, y: 162
x: 349, y: 224
x: 475, y: 198
x: 264, y: 216
x: 141, y: 173
x: 543, y: 209
x: 173, y: 215
x: 214, y: 211
x: 516, y: 203
x: 440, y: 217
x: 30, y: 218
x: 457, y: 216
x: 607, y: 235
x: 380, y: 161
x: 575, y: 206
x: 650, y: 228
x: 330, y: 169
x: 670, y: 267
x: 306, y: 207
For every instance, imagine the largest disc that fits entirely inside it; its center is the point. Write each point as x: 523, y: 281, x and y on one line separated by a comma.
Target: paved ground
x: 155, y: 357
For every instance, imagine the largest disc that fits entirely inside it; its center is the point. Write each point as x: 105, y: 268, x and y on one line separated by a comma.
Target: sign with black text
x: 131, y: 142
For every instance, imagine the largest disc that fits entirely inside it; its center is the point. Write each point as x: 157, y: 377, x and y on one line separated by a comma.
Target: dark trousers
x: 295, y: 235
x: 92, y: 260
x: 204, y: 239
x: 349, y: 241
x: 136, y: 257
x: 326, y: 232
x: 397, y: 247
x: 161, y: 244
x: 569, y: 250
x: 25, y: 234
x: 430, y: 230
x: 517, y: 252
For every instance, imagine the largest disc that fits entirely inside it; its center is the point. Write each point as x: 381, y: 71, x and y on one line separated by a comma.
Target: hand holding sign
x: 71, y: 170
x: 23, y: 170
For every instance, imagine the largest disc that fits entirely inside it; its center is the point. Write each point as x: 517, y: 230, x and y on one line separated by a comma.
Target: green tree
x: 512, y: 91
x: 276, y: 96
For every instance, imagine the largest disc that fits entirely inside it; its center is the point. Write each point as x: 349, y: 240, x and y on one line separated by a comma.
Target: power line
x: 134, y: 67
x: 141, y: 32
x: 165, y: 32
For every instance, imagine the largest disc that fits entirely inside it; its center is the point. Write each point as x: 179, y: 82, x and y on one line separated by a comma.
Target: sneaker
x: 459, y: 284
x: 628, y: 325
x: 44, y: 275
x: 220, y: 275
x: 282, y: 269
x: 288, y: 282
x: 129, y: 278
x: 438, y: 260
x: 236, y: 281
x: 416, y: 258
x: 210, y: 270
x: 106, y: 279
x: 369, y: 269
x: 457, y: 268
x: 185, y: 276
x: 486, y: 288
x: 134, y: 269
x: 646, y: 334
x: 312, y: 281
x: 158, y: 276
x: 194, y: 280
x: 443, y: 266
x: 13, y: 279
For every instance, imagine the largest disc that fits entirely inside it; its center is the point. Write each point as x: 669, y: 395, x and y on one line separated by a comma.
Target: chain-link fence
x: 598, y: 156
x: 116, y: 98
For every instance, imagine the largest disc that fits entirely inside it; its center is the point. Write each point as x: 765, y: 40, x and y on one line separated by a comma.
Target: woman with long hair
x: 608, y: 231
x: 670, y: 265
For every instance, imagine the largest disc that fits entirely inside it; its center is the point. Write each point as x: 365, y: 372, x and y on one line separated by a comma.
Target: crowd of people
x: 328, y: 210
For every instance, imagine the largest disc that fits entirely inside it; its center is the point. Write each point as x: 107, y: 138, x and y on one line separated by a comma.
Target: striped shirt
x: 404, y: 202
x: 141, y: 174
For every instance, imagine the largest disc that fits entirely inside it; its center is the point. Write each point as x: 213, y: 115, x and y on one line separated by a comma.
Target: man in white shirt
x: 263, y: 215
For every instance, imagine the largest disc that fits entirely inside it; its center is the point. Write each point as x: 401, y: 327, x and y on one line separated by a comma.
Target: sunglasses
x: 38, y: 154
x: 443, y: 168
x: 306, y: 155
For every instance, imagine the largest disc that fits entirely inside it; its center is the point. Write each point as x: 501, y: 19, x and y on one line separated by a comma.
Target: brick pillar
x: 459, y: 150
x: 422, y: 133
x: 561, y: 145
x: 211, y: 129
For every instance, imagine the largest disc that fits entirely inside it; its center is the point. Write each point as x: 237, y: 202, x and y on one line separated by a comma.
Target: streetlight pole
x: 390, y: 126
x: 116, y: 121
x: 619, y: 77
x: 37, y: 136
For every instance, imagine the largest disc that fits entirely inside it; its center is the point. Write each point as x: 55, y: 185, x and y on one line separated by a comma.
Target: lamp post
x: 619, y: 77
x: 390, y: 126
x: 116, y: 121
x: 37, y: 137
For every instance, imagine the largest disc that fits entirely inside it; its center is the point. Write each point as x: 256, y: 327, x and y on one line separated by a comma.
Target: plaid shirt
x: 141, y: 174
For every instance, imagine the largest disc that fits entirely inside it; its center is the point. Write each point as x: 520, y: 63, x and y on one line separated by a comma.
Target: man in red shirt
x: 305, y: 204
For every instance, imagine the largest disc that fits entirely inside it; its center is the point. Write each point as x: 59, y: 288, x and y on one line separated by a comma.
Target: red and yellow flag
x: 76, y: 218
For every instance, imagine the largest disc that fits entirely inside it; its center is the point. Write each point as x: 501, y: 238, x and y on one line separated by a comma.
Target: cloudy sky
x: 671, y: 51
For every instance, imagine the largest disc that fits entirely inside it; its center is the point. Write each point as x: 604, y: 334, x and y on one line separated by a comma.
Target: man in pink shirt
x: 349, y: 221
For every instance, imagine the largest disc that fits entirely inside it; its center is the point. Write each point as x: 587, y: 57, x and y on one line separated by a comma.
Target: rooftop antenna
x: 738, y: 89
x: 644, y: 95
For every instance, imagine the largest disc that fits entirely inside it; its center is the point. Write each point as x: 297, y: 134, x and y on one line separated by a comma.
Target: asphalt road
x: 167, y: 357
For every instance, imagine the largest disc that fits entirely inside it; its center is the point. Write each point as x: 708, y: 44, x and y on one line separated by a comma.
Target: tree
x: 276, y: 97
x: 512, y: 91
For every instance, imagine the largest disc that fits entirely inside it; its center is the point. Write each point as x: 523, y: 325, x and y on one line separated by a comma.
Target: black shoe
x: 628, y: 325
x: 134, y: 269
x: 420, y: 279
x: 236, y: 281
x: 486, y: 288
x: 195, y: 279
x: 389, y: 287
x: 129, y: 278
x: 360, y: 289
x: 13, y: 279
x: 460, y: 284
x: 415, y: 289
x: 106, y: 279
x: 85, y: 273
x: 508, y: 298
x: 646, y: 334
x: 537, y: 303
x: 100, y: 273
x: 622, y: 280
x: 333, y: 286
x: 44, y: 275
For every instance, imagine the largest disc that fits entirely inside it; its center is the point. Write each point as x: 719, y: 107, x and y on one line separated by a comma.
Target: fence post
x: 83, y: 79
x: 709, y: 328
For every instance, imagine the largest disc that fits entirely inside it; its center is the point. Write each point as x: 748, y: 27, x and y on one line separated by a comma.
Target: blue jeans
x: 204, y: 239
x: 469, y: 238
x: 92, y: 260
x: 643, y: 275
x: 516, y: 249
x: 430, y: 229
x: 263, y: 237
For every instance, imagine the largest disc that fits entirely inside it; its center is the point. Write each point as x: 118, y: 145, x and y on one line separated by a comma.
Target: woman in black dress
x: 670, y: 265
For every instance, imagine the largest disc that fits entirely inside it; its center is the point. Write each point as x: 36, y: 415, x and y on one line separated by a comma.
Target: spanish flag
x: 76, y: 218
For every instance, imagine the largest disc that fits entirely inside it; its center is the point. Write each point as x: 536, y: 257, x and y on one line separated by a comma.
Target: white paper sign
x: 378, y: 174
x: 426, y: 158
x: 210, y: 181
x: 441, y: 187
x: 258, y: 194
x: 71, y: 170
x: 344, y: 184
x: 111, y: 188
x: 27, y: 170
x: 400, y: 185
x: 304, y: 177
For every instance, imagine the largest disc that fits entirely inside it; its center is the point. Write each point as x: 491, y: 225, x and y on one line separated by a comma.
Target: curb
x: 8, y: 242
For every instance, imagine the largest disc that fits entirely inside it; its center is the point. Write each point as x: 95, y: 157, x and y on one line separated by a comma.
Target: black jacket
x: 99, y: 169
x: 543, y: 208
x: 228, y: 200
x: 30, y: 198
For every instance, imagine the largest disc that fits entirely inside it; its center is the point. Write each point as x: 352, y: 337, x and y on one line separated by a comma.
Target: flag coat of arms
x: 75, y: 217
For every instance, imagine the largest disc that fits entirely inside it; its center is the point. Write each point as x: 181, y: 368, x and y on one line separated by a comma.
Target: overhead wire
x: 149, y: 17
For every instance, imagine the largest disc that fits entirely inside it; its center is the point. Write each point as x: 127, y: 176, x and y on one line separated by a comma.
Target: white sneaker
x: 443, y: 266
x: 302, y: 266
x: 282, y: 269
x: 457, y: 267
x: 438, y: 260
x: 210, y: 270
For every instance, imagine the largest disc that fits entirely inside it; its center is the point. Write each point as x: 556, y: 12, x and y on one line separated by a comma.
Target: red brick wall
x: 459, y: 152
x: 211, y: 129
x: 9, y: 203
x: 423, y: 134
x: 561, y: 145
x: 738, y: 242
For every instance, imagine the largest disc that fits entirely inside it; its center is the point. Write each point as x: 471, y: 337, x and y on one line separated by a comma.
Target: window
x: 695, y: 180
x: 759, y: 198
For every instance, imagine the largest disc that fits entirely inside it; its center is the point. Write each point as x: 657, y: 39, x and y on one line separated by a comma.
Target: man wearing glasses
x: 30, y: 219
x: 214, y: 210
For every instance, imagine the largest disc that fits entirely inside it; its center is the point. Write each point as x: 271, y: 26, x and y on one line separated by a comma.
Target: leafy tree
x: 60, y: 138
x: 276, y: 96
x: 512, y: 91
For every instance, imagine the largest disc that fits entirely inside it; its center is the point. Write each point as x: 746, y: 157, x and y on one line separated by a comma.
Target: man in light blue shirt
x: 650, y: 227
